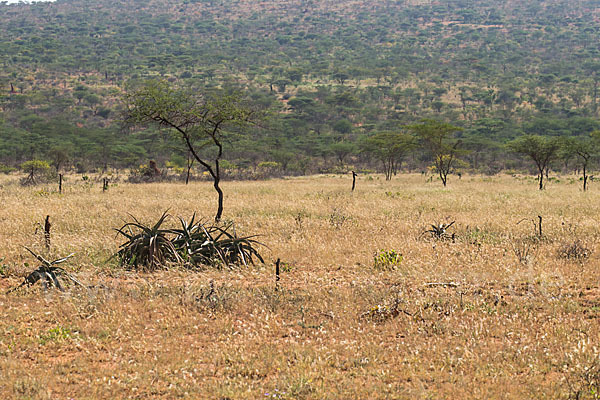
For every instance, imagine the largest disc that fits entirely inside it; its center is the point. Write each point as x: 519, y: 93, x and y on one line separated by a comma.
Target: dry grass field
x: 518, y: 316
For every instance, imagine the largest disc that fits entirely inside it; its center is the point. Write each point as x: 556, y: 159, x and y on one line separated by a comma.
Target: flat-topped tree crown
x: 541, y: 149
x: 438, y: 138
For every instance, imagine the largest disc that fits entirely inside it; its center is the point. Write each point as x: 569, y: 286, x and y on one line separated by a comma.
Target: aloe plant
x: 48, y: 273
x: 215, y: 245
x: 194, y: 243
x: 147, y: 247
x: 440, y: 231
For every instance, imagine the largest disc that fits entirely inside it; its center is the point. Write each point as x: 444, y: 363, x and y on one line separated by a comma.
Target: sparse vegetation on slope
x: 331, y: 73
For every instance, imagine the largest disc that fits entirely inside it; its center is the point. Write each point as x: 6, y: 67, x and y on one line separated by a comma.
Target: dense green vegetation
x: 332, y: 73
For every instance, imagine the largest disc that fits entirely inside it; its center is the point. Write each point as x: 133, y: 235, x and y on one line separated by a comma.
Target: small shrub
x: 386, y: 311
x: 269, y: 165
x: 286, y: 267
x: 58, y: 334
x: 440, y: 231
x: 387, y: 260
x: 337, y: 218
x: 300, y: 217
x: 211, y: 299
x: 37, y: 170
x: 575, y: 250
x: 526, y: 249
x: 147, y: 173
x: 3, y: 268
x: 5, y: 169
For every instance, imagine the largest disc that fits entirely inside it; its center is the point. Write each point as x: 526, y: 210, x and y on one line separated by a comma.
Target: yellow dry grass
x: 338, y: 328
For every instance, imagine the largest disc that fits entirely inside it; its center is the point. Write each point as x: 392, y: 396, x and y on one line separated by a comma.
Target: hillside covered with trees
x: 327, y: 74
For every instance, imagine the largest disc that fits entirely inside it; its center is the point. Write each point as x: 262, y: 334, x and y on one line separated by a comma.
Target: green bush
x: 386, y: 260
x: 36, y: 171
x: 5, y: 169
x: 215, y: 245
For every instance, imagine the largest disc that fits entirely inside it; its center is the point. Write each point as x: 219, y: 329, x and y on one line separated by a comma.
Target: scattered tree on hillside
x: 585, y: 151
x: 59, y: 156
x: 341, y: 150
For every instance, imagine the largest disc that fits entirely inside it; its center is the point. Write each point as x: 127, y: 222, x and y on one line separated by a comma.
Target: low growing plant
x: 194, y: 243
x: 58, y: 334
x: 48, y: 273
x: 387, y: 259
x: 3, y: 268
x: 440, y: 231
x: 526, y: 249
x: 215, y: 245
x: 575, y: 250
x: 383, y: 312
x: 147, y: 247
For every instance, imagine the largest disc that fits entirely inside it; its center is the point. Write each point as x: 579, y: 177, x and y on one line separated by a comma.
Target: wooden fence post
x: 277, y: 274
x: 47, y: 226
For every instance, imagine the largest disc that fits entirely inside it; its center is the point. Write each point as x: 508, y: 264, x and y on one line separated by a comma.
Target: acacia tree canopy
x: 389, y: 148
x: 585, y: 149
x: 542, y: 150
x: 201, y: 121
x: 438, y: 138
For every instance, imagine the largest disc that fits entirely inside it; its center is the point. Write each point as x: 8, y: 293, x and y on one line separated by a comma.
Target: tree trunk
x: 387, y: 168
x: 541, y: 179
x: 190, y: 163
x: 584, y: 179
x: 220, y: 192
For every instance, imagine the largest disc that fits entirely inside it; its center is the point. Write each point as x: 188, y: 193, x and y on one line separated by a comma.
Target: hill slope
x: 332, y: 70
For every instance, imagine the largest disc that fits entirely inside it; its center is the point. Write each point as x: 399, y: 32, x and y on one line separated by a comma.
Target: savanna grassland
x: 495, y: 312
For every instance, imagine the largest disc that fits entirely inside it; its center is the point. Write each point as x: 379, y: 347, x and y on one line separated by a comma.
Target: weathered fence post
x: 47, y: 226
x: 277, y: 274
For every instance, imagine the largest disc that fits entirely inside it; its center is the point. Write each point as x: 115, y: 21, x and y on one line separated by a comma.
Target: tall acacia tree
x: 438, y: 138
x: 201, y: 121
x: 541, y: 149
x: 586, y: 149
x: 389, y: 148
